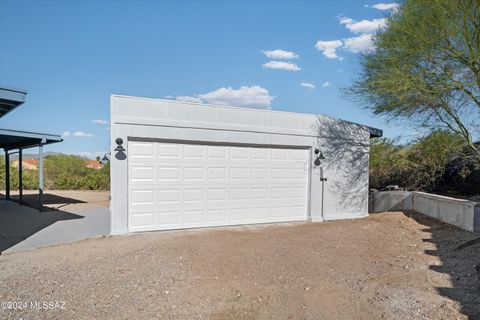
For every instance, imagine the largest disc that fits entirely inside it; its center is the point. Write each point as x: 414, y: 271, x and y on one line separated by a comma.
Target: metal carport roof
x: 14, y: 139
x: 10, y: 99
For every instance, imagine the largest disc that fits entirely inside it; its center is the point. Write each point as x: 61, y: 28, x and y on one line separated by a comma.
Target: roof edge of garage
x: 374, y: 132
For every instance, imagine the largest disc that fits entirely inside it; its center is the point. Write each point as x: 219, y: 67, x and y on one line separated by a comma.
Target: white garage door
x: 175, y: 186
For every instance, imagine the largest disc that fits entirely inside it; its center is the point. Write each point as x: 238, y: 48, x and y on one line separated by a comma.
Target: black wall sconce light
x: 119, y: 142
x: 319, y: 156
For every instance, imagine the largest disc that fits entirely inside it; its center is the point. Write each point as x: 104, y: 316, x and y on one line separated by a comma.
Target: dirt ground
x: 65, y: 199
x: 387, y: 266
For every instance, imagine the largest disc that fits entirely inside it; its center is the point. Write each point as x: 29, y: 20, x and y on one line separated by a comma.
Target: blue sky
x: 72, y: 55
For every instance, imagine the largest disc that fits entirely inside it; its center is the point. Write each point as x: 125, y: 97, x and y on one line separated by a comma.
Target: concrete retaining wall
x: 461, y: 213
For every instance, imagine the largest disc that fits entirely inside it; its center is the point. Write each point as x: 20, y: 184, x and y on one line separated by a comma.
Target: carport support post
x: 40, y: 177
x: 20, y: 176
x: 7, y: 175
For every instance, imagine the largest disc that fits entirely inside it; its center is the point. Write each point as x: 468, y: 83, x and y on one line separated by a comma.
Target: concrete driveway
x: 386, y: 266
x: 69, y: 216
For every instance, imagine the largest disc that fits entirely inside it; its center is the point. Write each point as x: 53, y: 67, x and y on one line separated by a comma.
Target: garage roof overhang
x: 13, y: 139
x: 10, y: 99
x: 374, y: 132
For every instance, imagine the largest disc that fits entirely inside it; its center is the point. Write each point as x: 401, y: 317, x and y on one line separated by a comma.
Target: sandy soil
x: 66, y: 199
x: 386, y: 266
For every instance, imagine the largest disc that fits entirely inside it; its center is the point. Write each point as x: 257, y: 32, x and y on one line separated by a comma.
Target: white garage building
x: 179, y: 165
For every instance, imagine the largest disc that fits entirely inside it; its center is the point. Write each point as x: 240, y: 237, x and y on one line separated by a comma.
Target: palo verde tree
x: 426, y: 67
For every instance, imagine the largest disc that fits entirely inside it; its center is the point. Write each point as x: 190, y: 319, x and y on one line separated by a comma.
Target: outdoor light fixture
x: 119, y: 142
x: 105, y: 158
x: 319, y: 154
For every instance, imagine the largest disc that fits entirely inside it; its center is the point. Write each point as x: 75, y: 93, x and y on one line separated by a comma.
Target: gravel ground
x: 386, y: 266
x: 66, y: 199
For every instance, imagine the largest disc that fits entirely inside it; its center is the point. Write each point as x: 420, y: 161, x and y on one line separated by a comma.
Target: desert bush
x: 388, y: 163
x: 424, y: 163
x: 429, y: 156
x: 463, y: 172
x: 61, y: 172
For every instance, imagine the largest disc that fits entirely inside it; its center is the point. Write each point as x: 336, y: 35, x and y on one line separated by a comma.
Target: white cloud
x: 361, y: 44
x: 254, y: 96
x: 308, y: 85
x: 280, y: 54
x: 386, y: 6
x: 88, y: 154
x: 250, y: 97
x: 329, y: 48
x: 99, y: 121
x: 326, y: 84
x: 82, y: 134
x: 76, y: 134
x: 188, y: 99
x: 345, y: 20
x: 281, y: 65
x: 363, y: 26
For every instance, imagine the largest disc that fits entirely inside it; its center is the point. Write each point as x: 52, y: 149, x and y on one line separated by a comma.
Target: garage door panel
x: 217, y: 173
x: 142, y: 173
x: 239, y: 194
x: 193, y: 173
x: 260, y: 174
x: 167, y: 150
x: 169, y: 218
x: 239, y: 173
x: 217, y: 215
x: 239, y: 153
x: 194, y: 216
x: 174, y: 186
x: 238, y: 214
x: 168, y: 173
x: 192, y: 151
x: 142, y: 196
x: 144, y: 220
x: 216, y: 152
x: 169, y: 196
x: 259, y: 212
x: 142, y: 151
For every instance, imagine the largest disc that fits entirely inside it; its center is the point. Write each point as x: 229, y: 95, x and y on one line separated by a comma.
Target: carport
x: 14, y: 142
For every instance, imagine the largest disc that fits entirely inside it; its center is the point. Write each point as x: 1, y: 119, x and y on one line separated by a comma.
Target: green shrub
x: 61, y: 172
x: 430, y: 155
x: 388, y: 164
x: 420, y: 165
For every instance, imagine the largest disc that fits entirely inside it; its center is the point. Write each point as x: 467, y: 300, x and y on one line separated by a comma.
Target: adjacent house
x: 93, y: 164
x: 27, y: 164
x: 32, y: 164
